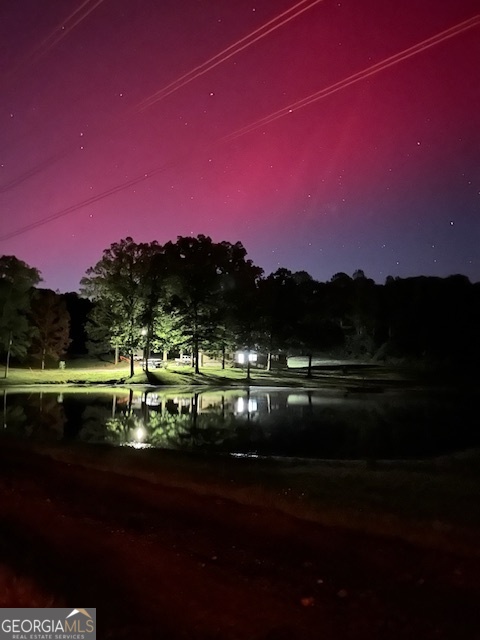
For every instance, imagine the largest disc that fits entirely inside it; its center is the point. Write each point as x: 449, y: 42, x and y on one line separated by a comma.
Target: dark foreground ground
x: 165, y: 562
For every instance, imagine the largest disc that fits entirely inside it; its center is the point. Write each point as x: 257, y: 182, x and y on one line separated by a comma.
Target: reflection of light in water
x: 182, y: 402
x: 60, y: 398
x: 137, y: 445
x: 303, y: 399
x: 140, y: 434
x: 152, y: 399
x: 250, y: 406
x: 244, y: 455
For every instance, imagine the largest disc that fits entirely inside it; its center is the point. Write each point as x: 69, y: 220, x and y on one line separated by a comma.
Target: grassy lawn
x: 84, y: 371
x: 100, y: 375
x: 91, y: 373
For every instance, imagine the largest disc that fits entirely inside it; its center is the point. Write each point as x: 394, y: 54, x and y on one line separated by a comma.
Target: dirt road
x: 159, y: 562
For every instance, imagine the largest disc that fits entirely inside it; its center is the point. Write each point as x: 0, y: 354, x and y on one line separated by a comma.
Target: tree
x: 364, y: 315
x: 115, y: 285
x: 98, y: 327
x: 167, y: 333
x: 244, y: 321
x: 207, y: 281
x: 238, y: 310
x: 160, y: 328
x: 51, y: 320
x: 311, y: 314
x: 79, y: 310
x: 279, y: 297
x: 17, y: 280
x: 432, y: 319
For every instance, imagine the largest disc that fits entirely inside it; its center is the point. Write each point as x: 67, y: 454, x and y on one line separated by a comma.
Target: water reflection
x: 281, y: 422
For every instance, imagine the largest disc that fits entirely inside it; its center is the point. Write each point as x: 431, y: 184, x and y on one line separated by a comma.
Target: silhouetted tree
x: 78, y: 309
x: 51, y: 320
x: 17, y: 280
x: 207, y: 281
x: 279, y: 309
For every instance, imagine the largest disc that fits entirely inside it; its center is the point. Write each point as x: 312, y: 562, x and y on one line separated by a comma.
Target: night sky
x: 326, y: 136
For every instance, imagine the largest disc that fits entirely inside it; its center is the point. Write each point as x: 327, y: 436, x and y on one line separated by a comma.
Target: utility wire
x: 342, y: 84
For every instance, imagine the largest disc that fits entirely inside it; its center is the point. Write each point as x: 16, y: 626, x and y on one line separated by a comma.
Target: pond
x: 255, y: 421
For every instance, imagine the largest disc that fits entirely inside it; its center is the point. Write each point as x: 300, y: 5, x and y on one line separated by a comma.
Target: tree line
x: 201, y: 296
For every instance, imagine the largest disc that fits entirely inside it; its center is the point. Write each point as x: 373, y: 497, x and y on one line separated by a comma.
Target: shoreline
x: 188, y: 560
x: 354, y: 377
x: 430, y: 503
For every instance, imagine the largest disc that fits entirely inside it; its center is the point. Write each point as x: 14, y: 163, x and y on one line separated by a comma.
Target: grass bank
x: 434, y: 504
x: 354, y: 375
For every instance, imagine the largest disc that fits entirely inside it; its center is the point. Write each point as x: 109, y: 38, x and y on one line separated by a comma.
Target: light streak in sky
x: 34, y: 170
x: 257, y: 34
x: 338, y: 86
x: 67, y: 25
x: 57, y: 35
x: 80, y: 205
x: 357, y: 77
x: 232, y: 50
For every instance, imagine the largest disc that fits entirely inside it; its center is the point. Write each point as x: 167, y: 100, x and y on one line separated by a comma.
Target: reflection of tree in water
x: 124, y: 429
x: 189, y: 423
x: 88, y: 417
x: 93, y: 423
x: 122, y: 425
x: 14, y: 417
x: 163, y: 430
x: 284, y: 424
x: 207, y: 421
x: 427, y: 426
x: 334, y: 431
x: 169, y: 430
x: 45, y: 416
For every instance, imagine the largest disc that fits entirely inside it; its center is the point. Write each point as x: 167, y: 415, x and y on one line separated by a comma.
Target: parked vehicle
x: 155, y: 363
